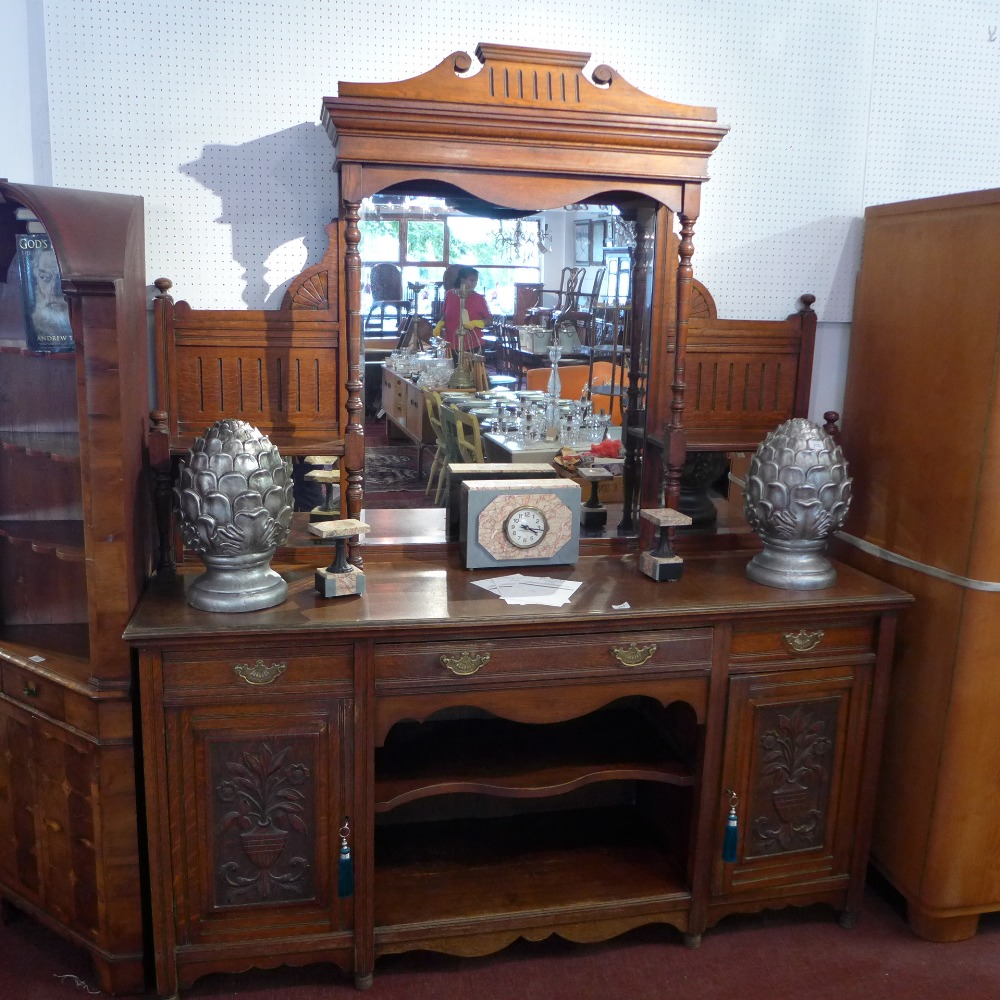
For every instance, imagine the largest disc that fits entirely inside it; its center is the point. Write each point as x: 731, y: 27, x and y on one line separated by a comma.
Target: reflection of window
x: 423, y: 247
x: 619, y: 277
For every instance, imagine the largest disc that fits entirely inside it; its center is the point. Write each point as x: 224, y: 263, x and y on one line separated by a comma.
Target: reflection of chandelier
x: 621, y: 232
x: 513, y: 239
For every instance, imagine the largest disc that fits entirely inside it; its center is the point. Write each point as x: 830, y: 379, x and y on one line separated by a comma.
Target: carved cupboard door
x: 794, y: 746
x: 257, y: 795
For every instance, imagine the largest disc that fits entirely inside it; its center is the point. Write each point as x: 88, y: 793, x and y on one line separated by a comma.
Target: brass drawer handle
x: 260, y: 672
x: 802, y: 641
x: 30, y: 690
x: 465, y: 663
x: 633, y: 655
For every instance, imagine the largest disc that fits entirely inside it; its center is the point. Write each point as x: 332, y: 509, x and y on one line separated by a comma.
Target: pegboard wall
x: 209, y: 110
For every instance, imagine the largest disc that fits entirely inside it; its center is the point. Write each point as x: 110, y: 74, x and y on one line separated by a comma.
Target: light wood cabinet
x: 509, y: 771
x: 73, y: 559
x: 922, y: 441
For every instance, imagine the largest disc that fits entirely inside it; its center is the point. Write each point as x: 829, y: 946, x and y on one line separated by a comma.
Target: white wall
x: 210, y: 111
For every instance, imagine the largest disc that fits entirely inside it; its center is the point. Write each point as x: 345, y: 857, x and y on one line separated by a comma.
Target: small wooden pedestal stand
x: 661, y: 563
x: 340, y: 578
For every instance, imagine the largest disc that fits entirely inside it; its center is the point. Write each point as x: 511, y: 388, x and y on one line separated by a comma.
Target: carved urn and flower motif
x: 794, y: 768
x: 268, y: 803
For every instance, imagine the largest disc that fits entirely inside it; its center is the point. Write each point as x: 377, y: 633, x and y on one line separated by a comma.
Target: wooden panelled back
x: 744, y: 377
x: 280, y: 370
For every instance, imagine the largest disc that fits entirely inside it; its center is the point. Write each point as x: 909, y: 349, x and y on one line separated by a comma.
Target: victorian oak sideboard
x: 498, y: 771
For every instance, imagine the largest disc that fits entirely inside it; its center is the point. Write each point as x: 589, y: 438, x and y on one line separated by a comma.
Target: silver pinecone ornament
x: 797, y: 492
x: 234, y: 495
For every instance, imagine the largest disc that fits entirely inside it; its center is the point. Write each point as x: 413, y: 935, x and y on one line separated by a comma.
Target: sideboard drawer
x: 278, y: 671
x: 583, y: 656
x: 32, y: 691
x: 802, y: 639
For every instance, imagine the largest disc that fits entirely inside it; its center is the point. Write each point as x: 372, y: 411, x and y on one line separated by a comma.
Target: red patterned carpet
x: 777, y: 955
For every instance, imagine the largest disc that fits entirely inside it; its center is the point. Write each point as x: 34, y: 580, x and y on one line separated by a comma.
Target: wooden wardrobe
x: 921, y: 432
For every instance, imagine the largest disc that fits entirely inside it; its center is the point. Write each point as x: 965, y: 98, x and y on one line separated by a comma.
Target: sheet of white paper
x: 520, y: 589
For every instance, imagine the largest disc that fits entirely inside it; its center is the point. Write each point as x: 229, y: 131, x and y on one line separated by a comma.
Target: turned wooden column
x: 354, y: 436
x: 675, y: 444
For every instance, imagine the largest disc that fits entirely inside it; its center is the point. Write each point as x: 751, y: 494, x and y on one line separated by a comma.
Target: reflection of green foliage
x: 379, y: 239
x: 424, y: 240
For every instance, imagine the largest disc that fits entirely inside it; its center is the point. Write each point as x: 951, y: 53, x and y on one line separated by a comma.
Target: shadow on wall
x: 274, y: 190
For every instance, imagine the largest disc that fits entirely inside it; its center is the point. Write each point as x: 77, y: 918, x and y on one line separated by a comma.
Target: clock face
x: 526, y: 527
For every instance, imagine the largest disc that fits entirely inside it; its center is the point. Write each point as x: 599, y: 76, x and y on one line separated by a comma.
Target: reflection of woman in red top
x: 477, y: 312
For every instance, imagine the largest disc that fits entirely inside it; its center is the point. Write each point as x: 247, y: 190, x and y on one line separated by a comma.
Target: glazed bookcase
x: 73, y: 559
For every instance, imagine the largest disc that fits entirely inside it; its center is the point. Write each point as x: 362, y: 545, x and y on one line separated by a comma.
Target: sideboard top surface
x: 405, y: 595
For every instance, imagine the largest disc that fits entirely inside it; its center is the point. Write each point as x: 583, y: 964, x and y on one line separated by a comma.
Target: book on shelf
x: 46, y: 313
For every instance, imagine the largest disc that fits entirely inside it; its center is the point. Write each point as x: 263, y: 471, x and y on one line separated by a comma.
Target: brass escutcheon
x: 802, y: 641
x: 465, y: 663
x: 633, y: 655
x: 260, y: 672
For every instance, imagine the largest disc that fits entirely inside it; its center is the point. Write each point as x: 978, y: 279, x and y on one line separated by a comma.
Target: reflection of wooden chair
x: 449, y: 432
x: 605, y: 374
x: 440, y: 287
x: 436, y: 475
x: 386, y: 281
x: 570, y: 282
x: 508, y: 351
x: 470, y: 442
x: 577, y: 300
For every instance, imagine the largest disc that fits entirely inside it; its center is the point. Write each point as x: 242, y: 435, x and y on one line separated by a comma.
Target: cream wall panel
x: 210, y: 111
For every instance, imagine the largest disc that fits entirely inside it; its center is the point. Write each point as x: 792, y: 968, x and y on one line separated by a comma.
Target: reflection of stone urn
x: 797, y: 493
x: 235, y: 500
x: 701, y: 470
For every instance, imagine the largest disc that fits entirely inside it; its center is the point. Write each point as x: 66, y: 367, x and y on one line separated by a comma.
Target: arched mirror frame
x: 528, y: 130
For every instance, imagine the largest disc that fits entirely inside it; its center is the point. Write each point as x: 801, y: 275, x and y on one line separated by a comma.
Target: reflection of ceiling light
x: 512, y: 239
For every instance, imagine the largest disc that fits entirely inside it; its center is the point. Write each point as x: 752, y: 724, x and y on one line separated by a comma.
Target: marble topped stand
x: 340, y: 578
x: 662, y: 564
x: 329, y: 478
x: 593, y: 514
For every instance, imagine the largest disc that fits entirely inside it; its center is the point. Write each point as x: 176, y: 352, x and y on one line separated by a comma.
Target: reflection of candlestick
x: 462, y: 376
x: 555, y: 391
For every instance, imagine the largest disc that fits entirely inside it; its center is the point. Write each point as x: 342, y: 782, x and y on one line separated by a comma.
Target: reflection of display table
x: 503, y: 448
x: 374, y: 715
x: 500, y: 448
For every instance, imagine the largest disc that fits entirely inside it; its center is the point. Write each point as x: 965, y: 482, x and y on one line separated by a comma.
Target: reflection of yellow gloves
x: 439, y: 329
x: 476, y: 324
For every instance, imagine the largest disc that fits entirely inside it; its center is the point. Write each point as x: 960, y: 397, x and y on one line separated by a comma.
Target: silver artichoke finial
x: 234, y: 495
x: 235, y: 492
x: 797, y: 493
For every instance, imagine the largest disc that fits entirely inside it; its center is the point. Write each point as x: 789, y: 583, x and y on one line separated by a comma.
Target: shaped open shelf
x: 482, y: 870
x: 495, y: 757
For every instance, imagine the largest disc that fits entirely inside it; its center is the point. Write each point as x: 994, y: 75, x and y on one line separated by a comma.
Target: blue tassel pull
x: 731, y: 839
x: 345, y: 865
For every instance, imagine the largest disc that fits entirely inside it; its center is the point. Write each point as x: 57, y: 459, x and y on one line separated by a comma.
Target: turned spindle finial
x: 163, y: 286
x: 831, y: 417
x: 807, y: 300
